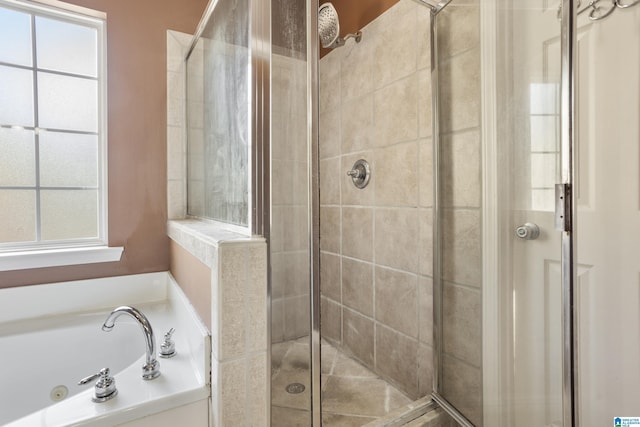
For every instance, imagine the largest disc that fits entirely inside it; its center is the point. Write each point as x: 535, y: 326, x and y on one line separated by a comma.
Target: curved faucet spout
x: 151, y: 368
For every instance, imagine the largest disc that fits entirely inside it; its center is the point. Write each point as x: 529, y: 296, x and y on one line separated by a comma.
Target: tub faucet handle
x: 104, y: 388
x: 168, y: 347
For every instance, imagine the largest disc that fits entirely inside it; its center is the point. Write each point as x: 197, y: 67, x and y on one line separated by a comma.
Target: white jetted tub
x: 51, y: 337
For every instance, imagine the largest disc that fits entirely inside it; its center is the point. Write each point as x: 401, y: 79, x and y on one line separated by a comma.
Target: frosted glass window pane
x: 17, y: 157
x: 17, y: 216
x: 16, y: 96
x: 68, y: 160
x: 69, y: 214
x: 15, y: 37
x: 67, y: 47
x: 68, y: 103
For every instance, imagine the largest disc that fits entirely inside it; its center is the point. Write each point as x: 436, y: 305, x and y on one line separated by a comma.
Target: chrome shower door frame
x: 568, y: 253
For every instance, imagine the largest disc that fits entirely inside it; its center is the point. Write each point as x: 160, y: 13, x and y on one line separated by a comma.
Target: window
x: 52, y: 127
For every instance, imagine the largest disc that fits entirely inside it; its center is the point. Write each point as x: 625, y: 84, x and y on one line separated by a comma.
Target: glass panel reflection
x: 219, y: 117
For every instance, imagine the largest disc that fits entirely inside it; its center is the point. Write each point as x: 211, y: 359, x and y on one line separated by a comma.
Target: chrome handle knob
x: 168, y: 347
x: 360, y: 173
x: 528, y: 231
x: 104, y: 388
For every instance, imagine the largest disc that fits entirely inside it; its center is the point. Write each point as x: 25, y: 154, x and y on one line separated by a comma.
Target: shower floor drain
x: 295, y: 388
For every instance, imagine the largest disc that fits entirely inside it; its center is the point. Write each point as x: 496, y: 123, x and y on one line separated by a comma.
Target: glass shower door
x: 500, y: 358
x: 528, y: 166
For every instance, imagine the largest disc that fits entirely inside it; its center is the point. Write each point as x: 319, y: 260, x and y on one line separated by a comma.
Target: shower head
x: 328, y: 25
x: 329, y: 28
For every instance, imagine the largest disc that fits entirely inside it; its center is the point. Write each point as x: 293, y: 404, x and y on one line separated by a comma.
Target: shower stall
x: 441, y: 193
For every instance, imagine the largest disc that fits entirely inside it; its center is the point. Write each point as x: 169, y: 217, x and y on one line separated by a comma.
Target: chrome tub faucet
x: 151, y: 369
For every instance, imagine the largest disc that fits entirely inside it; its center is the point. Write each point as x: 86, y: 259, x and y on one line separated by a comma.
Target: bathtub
x: 51, y: 337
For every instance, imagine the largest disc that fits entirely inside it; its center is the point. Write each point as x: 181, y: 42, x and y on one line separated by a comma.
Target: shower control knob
x: 528, y: 231
x: 360, y: 173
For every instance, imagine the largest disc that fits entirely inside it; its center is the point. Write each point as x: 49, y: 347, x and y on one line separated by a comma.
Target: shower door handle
x: 528, y: 231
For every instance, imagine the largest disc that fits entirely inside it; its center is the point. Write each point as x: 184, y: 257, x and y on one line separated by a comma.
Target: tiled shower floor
x: 352, y: 395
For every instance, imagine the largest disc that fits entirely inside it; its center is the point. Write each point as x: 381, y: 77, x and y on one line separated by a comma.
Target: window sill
x: 59, y: 257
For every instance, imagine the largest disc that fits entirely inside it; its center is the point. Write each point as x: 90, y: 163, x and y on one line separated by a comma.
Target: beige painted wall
x: 137, y: 114
x: 194, y: 278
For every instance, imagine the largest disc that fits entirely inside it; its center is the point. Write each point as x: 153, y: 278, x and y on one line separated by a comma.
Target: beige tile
x: 425, y: 370
x: 296, y: 279
x: 345, y: 366
x: 425, y: 118
x: 289, y: 417
x: 232, y: 330
x: 329, y: 133
x: 331, y: 320
x: 357, y: 233
x: 330, y: 229
x: 396, y: 300
x: 357, y: 124
x: 462, y: 323
x: 425, y: 168
x: 462, y: 386
x: 352, y: 195
x: 360, y: 396
x: 330, y: 276
x: 357, y: 68
x: 295, y: 231
x: 357, y: 285
x: 357, y: 335
x: 396, y: 240
x: 279, y: 395
x: 395, y: 112
x: 425, y: 310
x: 256, y: 324
x: 176, y: 155
x: 296, y: 317
x: 461, y: 246
x: 337, y: 420
x: 330, y: 178
x: 460, y: 92
x: 233, y: 391
x: 396, y: 170
x: 279, y: 264
x: 176, y: 199
x: 395, y: 52
x: 460, y: 158
x: 328, y: 357
x: 330, y: 76
x: 397, y: 358
x: 425, y: 246
x: 277, y: 321
x: 459, y: 27
x: 424, y: 37
x: 257, y: 372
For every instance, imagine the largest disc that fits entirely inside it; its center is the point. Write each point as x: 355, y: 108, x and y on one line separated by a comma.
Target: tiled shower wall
x: 376, y: 264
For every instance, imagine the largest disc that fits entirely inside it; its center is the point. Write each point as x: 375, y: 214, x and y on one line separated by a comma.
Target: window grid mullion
x: 36, y: 121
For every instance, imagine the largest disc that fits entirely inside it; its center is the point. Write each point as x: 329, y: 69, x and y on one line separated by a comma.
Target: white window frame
x: 24, y: 255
